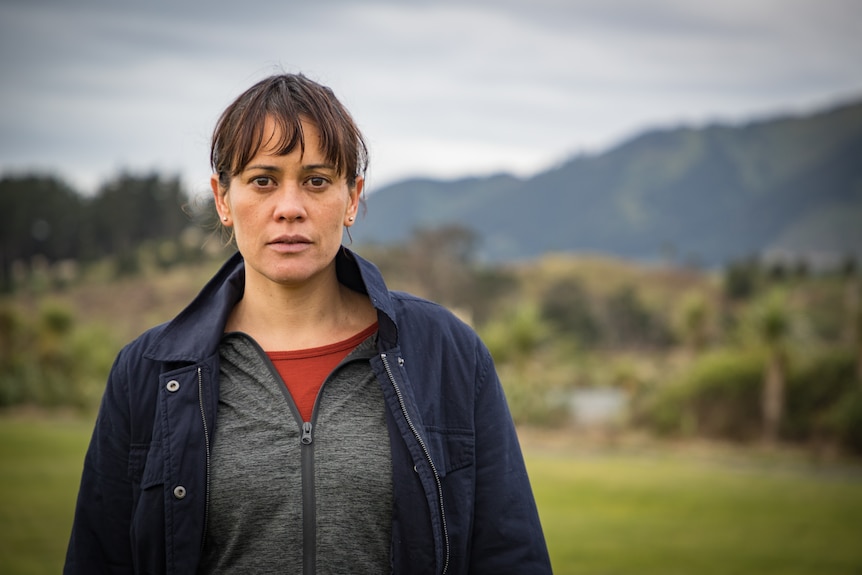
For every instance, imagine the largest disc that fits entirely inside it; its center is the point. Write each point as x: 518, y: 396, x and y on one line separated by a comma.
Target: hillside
x: 790, y: 185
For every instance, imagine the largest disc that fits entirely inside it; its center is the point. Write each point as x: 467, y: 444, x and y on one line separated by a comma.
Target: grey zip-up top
x: 462, y: 502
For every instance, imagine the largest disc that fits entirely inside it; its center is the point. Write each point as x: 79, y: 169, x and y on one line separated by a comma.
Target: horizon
x: 777, y: 115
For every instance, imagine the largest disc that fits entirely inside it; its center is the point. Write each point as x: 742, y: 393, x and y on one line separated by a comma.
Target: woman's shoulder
x: 134, y: 352
x: 410, y: 304
x: 148, y: 336
x: 418, y: 314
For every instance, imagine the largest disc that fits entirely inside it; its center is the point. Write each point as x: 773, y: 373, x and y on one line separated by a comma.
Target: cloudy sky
x: 446, y: 88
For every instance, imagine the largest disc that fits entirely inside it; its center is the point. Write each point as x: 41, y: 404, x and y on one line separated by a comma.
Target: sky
x: 445, y: 89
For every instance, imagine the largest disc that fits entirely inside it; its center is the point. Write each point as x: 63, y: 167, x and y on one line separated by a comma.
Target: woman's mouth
x: 290, y: 244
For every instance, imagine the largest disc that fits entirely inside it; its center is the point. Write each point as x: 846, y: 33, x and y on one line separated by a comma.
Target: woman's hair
x: 287, y: 99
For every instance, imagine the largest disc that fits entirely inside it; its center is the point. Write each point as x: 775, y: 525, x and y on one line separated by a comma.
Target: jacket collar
x: 196, y: 332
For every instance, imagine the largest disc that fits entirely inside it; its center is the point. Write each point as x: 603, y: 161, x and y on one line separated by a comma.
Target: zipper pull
x: 306, y: 433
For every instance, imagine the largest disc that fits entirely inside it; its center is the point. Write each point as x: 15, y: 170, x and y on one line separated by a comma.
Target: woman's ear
x: 221, y: 204
x: 355, y: 199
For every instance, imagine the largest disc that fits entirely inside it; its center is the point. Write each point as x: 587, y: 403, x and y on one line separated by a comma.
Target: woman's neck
x: 281, y: 317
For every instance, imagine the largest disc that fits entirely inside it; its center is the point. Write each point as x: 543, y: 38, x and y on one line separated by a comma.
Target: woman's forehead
x: 279, y: 138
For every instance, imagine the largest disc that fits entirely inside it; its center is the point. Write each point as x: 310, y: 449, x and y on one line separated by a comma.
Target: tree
x: 42, y: 219
x: 516, y: 340
x: 741, y: 279
x: 629, y: 322
x: 567, y: 306
x: 771, y: 322
x: 129, y: 209
x: 853, y: 303
x: 693, y: 317
x: 39, y: 216
x: 440, y: 260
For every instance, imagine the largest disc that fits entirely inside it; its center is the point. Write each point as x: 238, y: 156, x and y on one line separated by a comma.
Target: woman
x: 299, y: 416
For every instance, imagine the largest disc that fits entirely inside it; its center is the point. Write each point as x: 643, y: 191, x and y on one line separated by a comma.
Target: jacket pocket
x: 450, y: 449
x: 146, y: 465
x: 454, y: 451
x: 148, y: 515
x: 137, y: 460
x: 154, y: 467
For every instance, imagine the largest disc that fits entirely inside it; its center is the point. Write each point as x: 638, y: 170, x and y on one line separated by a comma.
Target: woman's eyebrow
x: 309, y: 167
x: 262, y: 167
x: 277, y: 169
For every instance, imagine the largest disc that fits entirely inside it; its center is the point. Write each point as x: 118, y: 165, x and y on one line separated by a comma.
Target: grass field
x: 40, y: 466
x: 674, y: 514
x: 604, y: 512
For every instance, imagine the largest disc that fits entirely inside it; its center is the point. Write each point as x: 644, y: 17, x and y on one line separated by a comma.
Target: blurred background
x: 651, y: 211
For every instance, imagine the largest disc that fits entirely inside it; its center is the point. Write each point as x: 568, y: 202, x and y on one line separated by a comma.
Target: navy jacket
x: 462, y: 502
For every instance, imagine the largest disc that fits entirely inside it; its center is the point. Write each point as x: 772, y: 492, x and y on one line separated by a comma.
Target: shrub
x: 569, y: 309
x: 719, y: 397
x: 843, y: 421
x: 815, y: 385
x: 629, y: 322
x: 531, y: 402
x: 50, y: 360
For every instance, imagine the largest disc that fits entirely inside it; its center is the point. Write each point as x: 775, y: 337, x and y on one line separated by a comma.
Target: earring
x: 350, y: 219
x: 224, y: 218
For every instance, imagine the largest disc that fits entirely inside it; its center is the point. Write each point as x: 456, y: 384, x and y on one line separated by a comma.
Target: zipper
x: 309, y: 502
x: 306, y: 440
x: 427, y: 453
x: 207, y: 445
x: 309, y: 495
x: 309, y: 498
x: 306, y: 433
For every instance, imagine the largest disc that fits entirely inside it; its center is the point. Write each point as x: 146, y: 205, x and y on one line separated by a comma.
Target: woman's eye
x: 317, y: 182
x: 262, y: 181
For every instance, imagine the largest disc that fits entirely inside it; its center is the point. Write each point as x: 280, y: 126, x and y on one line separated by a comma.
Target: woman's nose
x: 289, y: 204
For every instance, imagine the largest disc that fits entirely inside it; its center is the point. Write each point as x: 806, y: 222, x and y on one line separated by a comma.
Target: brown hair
x: 287, y: 99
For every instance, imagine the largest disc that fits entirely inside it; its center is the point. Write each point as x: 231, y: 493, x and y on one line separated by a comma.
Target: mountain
x: 786, y: 185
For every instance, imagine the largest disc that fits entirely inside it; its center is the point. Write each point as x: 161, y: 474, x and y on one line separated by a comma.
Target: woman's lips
x: 290, y: 244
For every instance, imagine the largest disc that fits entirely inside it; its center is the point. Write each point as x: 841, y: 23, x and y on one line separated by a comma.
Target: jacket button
x: 173, y: 385
x: 179, y: 491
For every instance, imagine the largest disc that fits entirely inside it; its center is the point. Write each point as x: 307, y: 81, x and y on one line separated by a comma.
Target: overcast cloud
x: 445, y: 88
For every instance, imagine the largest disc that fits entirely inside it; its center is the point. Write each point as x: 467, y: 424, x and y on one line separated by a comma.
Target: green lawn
x: 40, y: 467
x: 607, y: 514
x: 603, y: 513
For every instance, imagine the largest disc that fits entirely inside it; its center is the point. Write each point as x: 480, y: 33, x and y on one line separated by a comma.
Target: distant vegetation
x: 49, y: 230
x: 753, y: 352
x: 51, y: 359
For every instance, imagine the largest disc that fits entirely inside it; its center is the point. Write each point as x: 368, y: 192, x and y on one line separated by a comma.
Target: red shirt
x: 304, y: 370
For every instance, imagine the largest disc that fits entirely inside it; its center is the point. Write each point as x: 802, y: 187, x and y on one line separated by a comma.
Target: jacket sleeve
x: 507, y: 533
x: 100, y: 541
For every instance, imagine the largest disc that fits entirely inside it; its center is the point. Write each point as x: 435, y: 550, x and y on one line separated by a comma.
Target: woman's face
x: 288, y: 211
